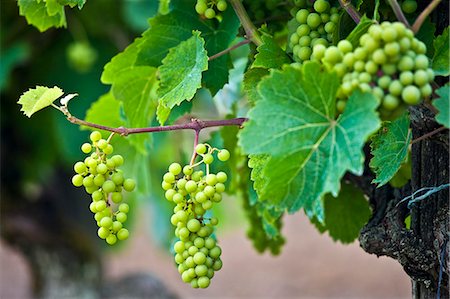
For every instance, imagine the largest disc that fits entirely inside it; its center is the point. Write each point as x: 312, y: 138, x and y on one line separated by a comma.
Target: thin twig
x: 221, y: 53
x: 351, y: 10
x: 424, y: 14
x: 194, y: 124
x: 398, y: 12
x: 194, y: 153
x: 250, y: 29
x: 425, y: 136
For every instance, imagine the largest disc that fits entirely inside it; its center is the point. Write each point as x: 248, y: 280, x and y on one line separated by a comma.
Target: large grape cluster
x: 197, y: 253
x: 102, y: 178
x: 316, y: 24
x: 389, y: 62
x: 210, y: 9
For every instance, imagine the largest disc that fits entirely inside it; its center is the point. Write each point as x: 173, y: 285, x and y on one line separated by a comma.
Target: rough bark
x: 419, y: 248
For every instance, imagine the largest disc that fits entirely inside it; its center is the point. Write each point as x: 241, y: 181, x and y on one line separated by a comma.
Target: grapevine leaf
x: 442, y: 104
x: 36, y: 14
x: 389, y: 148
x: 38, y: 98
x: 167, y: 31
x: 136, y: 89
x: 346, y: 214
x: 309, y: 150
x: 270, y: 55
x: 73, y: 3
x: 122, y: 62
x: 251, y: 79
x: 181, y: 74
x: 54, y: 8
x: 215, y: 41
x: 106, y: 111
x: 360, y: 29
x: 441, y: 58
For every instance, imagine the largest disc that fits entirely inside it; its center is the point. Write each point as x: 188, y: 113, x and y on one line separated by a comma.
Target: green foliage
x: 251, y: 79
x: 442, y: 104
x: 10, y: 58
x: 181, y: 74
x: 441, y: 58
x: 46, y: 14
x: 38, y: 98
x: 270, y: 55
x: 309, y: 150
x: 389, y: 148
x: 346, y: 214
x: 359, y: 30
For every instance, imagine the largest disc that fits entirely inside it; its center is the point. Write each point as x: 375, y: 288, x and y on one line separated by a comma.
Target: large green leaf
x: 251, y: 79
x: 442, y: 104
x: 346, y: 214
x: 38, y: 98
x: 37, y: 13
x: 167, y: 31
x: 441, y: 58
x: 122, y: 62
x: 181, y: 74
x: 136, y: 89
x: 309, y: 150
x: 270, y: 55
x: 389, y: 148
x: 106, y: 111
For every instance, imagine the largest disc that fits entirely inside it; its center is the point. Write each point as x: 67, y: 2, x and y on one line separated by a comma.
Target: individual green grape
x: 409, y: 6
x: 411, y: 95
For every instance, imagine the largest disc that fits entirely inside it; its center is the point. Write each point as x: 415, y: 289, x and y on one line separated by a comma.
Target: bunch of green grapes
x: 389, y: 62
x: 316, y: 25
x: 210, y: 9
x: 102, y: 178
x: 195, y: 193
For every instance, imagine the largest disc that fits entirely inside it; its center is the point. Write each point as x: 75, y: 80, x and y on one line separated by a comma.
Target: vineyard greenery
x: 307, y: 92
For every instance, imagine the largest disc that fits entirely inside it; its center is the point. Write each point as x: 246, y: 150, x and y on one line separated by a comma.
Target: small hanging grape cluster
x: 102, y: 178
x: 390, y: 63
x: 316, y: 24
x: 194, y: 193
x: 210, y: 9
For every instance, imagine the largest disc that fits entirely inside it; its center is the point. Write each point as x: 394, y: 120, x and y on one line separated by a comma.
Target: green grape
x: 175, y: 168
x: 86, y: 148
x: 409, y: 6
x: 313, y: 20
x: 129, y: 185
x: 121, y: 217
x: 321, y: 6
x: 210, y: 13
x: 108, y: 186
x: 208, y: 158
x: 123, y: 234
x: 223, y: 155
x: 411, y: 95
x: 80, y: 167
x: 103, y: 233
x: 124, y: 208
x: 200, y: 7
x: 77, y: 180
x: 111, y: 239
x: 221, y: 5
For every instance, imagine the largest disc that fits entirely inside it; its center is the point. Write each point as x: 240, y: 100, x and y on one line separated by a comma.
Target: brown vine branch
x: 250, y: 29
x: 425, y: 136
x: 221, y: 53
x: 398, y: 12
x: 421, y: 18
x: 195, y: 124
x: 351, y: 10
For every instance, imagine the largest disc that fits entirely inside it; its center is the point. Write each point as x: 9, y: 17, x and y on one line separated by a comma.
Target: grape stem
x: 398, y: 12
x: 195, y: 124
x: 351, y: 10
x: 424, y: 14
x: 194, y: 153
x: 221, y: 53
x: 250, y: 29
x: 425, y: 136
